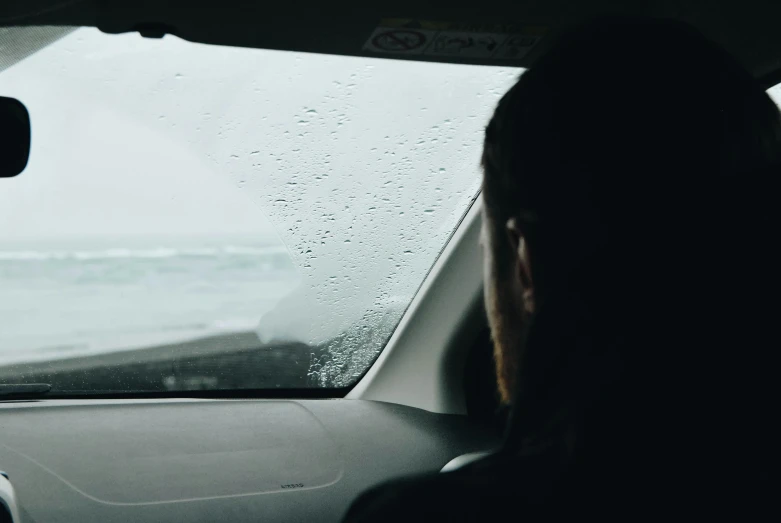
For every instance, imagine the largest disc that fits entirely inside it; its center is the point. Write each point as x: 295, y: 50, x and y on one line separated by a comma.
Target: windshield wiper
x: 23, y: 389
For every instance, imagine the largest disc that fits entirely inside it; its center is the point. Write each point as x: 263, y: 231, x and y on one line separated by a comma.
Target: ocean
x: 68, y: 298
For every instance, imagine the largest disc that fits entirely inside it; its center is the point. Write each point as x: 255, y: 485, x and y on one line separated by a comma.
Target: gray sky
x: 100, y: 163
x: 139, y: 136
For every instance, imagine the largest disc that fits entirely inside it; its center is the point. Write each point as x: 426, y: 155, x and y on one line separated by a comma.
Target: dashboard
x: 206, y: 460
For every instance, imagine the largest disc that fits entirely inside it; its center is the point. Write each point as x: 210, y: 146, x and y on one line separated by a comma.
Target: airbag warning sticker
x: 421, y: 37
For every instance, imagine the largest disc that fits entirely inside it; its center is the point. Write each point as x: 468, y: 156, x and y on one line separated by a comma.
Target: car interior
x: 370, y: 356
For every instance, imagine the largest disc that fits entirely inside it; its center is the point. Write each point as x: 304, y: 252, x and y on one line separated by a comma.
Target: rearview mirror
x: 14, y: 137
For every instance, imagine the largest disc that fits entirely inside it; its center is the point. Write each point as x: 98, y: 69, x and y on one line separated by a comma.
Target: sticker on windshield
x: 468, y: 45
x: 399, y: 40
x: 516, y: 47
x: 458, y: 40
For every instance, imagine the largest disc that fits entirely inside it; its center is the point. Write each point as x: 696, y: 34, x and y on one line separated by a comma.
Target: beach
x: 146, y: 314
x: 227, y: 361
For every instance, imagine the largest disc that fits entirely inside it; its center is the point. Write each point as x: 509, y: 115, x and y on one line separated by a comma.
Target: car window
x: 206, y: 217
x: 775, y: 94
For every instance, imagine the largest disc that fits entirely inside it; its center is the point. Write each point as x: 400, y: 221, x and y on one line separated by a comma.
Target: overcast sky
x: 101, y: 164
x: 142, y: 136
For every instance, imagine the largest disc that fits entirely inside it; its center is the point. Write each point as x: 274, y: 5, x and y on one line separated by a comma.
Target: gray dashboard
x: 208, y: 460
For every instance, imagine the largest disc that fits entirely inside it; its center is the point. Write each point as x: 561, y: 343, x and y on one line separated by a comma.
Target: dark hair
x: 621, y: 131
x: 638, y: 157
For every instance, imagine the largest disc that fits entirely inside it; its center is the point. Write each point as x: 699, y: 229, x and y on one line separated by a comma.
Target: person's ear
x: 520, y: 247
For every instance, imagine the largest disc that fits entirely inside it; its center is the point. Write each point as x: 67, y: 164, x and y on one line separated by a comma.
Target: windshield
x: 205, y: 217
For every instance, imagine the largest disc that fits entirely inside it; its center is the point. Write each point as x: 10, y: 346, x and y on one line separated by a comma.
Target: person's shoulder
x: 453, y: 496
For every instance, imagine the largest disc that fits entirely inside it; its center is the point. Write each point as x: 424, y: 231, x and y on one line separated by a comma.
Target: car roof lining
x: 747, y: 29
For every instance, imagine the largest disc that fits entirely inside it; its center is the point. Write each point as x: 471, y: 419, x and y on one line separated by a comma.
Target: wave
x: 159, y: 252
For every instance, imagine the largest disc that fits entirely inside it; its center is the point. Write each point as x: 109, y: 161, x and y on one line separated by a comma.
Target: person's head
x: 603, y: 173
